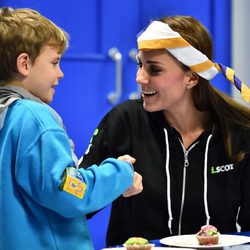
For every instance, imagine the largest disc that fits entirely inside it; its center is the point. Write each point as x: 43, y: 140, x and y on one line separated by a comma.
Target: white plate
x: 154, y: 248
x: 189, y: 240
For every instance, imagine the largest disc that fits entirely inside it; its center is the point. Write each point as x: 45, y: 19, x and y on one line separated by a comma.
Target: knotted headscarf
x: 159, y: 35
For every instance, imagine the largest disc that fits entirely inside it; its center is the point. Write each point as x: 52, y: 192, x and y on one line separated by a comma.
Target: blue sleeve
x: 45, y: 172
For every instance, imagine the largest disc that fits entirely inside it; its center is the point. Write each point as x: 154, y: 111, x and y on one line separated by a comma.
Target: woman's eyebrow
x: 149, y: 61
x: 153, y: 62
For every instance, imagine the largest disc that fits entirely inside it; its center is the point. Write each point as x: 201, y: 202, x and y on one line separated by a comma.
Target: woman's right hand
x: 136, y: 187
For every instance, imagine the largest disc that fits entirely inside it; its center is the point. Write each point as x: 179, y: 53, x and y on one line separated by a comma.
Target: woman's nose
x: 142, y: 76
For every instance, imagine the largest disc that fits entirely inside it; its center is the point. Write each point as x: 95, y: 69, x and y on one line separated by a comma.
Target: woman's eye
x: 139, y: 64
x: 154, y: 70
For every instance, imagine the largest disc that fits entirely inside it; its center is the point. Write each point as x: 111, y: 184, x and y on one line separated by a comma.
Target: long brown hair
x: 221, y: 108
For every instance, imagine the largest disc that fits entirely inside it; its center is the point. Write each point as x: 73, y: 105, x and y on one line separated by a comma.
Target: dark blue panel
x: 154, y: 9
x: 81, y: 20
x: 120, y: 24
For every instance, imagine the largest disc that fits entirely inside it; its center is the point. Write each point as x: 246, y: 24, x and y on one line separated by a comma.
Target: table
x: 237, y: 247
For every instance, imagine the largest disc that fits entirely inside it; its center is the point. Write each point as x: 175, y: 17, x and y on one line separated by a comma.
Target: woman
x: 189, y: 139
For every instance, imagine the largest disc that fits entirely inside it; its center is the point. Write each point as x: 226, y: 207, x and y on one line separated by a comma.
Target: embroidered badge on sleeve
x: 73, y: 183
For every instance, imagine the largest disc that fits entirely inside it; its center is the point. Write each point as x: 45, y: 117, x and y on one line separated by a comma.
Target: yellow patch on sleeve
x: 73, y: 183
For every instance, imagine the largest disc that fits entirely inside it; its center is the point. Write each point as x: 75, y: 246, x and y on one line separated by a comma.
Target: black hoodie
x: 183, y: 189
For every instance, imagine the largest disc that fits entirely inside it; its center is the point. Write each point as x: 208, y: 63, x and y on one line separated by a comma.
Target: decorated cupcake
x: 137, y: 243
x: 208, y: 235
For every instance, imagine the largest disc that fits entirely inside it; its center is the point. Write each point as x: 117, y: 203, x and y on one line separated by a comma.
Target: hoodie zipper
x: 186, y: 164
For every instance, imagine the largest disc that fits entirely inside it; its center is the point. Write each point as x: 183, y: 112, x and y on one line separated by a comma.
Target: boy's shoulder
x: 30, y: 106
x: 34, y: 111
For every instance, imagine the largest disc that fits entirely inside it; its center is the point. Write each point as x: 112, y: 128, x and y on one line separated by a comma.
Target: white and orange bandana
x: 159, y: 35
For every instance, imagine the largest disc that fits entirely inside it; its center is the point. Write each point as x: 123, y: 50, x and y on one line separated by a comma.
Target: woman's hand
x: 136, y: 187
x: 127, y: 158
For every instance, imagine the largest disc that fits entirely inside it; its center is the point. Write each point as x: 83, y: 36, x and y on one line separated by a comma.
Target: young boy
x: 43, y: 196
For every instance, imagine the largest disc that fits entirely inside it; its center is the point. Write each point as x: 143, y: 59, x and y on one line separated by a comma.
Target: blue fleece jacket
x: 43, y: 199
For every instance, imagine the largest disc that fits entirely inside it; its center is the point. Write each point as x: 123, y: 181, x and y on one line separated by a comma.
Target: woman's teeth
x: 149, y: 92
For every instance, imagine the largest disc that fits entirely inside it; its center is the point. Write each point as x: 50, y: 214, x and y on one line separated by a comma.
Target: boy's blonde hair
x: 26, y: 31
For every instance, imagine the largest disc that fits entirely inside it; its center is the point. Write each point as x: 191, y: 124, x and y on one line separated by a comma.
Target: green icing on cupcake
x: 136, y: 241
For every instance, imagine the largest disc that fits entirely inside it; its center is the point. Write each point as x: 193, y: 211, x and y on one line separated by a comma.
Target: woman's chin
x: 150, y: 107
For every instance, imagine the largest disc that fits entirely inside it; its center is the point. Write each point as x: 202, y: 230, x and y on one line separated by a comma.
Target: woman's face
x: 165, y: 85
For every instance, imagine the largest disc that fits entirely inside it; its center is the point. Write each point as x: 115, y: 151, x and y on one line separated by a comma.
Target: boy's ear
x: 193, y: 79
x: 23, y: 64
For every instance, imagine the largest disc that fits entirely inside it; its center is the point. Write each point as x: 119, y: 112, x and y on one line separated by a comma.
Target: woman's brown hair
x: 222, y: 109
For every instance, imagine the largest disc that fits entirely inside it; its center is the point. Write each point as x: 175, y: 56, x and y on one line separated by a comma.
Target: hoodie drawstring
x: 170, y: 219
x: 168, y: 183
x: 205, y: 180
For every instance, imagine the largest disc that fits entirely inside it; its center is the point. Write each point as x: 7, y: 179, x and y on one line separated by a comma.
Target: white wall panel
x: 241, y: 43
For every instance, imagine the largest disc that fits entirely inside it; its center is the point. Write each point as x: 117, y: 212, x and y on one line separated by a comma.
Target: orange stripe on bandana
x: 159, y: 35
x: 202, y: 66
x: 163, y: 43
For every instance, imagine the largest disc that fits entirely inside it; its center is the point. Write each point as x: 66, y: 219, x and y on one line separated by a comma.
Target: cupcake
x: 137, y: 243
x: 208, y: 235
